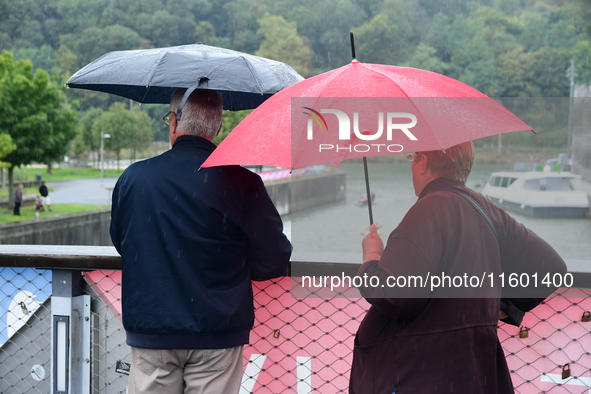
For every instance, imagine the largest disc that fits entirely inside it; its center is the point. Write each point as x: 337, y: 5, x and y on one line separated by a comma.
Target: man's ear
x: 423, y: 163
x: 172, y: 125
x: 173, y: 121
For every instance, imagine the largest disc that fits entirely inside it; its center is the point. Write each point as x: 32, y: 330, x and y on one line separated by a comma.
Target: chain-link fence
x: 551, y: 352
x: 298, y: 345
x: 110, y: 354
x: 25, y: 330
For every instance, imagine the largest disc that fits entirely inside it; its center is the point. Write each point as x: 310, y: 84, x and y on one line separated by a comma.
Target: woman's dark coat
x: 419, y: 340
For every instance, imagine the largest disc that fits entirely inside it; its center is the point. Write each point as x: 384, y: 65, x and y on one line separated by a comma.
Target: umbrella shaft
x: 368, y: 191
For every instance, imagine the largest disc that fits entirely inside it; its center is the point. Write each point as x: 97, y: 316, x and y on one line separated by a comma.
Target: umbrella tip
x: 352, y: 46
x: 533, y: 131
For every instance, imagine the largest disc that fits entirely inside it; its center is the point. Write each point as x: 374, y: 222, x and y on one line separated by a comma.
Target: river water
x: 339, y: 227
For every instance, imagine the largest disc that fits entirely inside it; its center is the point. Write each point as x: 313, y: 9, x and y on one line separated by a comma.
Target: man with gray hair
x: 191, y: 240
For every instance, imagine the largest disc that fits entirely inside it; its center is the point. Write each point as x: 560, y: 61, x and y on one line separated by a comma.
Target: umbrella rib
x: 152, y: 72
x: 410, y: 99
x: 250, y: 68
x: 255, y: 75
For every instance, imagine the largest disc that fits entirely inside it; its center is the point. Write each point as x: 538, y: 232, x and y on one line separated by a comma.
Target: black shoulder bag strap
x: 476, y: 206
x: 514, y: 314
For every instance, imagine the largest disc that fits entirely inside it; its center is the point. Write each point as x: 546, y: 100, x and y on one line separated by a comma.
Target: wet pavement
x: 82, y: 191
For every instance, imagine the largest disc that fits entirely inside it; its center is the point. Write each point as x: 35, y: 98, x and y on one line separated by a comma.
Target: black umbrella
x: 152, y: 75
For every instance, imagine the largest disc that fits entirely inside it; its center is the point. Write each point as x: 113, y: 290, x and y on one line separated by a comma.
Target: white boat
x: 535, y: 193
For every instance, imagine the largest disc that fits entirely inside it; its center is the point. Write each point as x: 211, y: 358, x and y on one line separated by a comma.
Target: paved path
x: 82, y: 191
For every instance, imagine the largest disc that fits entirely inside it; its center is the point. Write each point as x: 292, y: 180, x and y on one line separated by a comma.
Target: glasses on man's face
x: 166, y: 118
x: 410, y: 158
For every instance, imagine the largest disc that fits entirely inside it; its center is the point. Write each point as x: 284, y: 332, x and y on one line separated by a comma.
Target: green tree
x: 78, y: 146
x: 77, y: 16
x: 67, y: 61
x: 20, y: 21
x: 446, y: 35
x: 309, y: 23
x: 495, y: 28
x: 582, y: 58
x: 538, y: 30
x: 133, y: 8
x: 282, y: 43
x: 34, y: 112
x: 425, y: 58
x: 240, y: 24
x: 511, y: 70
x: 194, y: 7
x: 534, y: 74
x: 41, y: 57
x: 378, y: 41
x: 471, y: 45
x: 6, y: 147
x: 585, y: 12
x: 30, y: 34
x: 141, y: 135
x: 89, y: 138
x: 533, y: 28
x: 95, y: 42
x: 205, y: 34
x: 166, y: 29
x: 510, y: 7
x: 409, y: 17
x: 474, y: 64
x: 546, y: 69
x: 337, y: 18
x: 449, y: 7
x: 230, y: 120
x: 127, y: 129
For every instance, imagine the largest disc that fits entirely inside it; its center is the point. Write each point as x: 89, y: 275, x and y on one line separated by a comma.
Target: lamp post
x: 103, y: 136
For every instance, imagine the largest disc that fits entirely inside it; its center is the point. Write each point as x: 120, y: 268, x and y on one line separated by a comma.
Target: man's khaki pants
x: 185, y: 371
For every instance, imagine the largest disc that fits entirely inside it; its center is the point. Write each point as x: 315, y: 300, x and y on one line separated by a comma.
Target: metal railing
x: 63, y: 329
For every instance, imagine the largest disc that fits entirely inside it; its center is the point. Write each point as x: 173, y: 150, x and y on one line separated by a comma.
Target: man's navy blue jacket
x: 191, y: 242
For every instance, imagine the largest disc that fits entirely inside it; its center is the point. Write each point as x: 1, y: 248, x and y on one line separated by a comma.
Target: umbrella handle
x: 190, y: 89
x: 367, y: 190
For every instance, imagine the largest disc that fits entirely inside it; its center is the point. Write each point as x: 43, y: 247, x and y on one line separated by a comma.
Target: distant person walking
x: 18, y: 199
x: 45, y: 196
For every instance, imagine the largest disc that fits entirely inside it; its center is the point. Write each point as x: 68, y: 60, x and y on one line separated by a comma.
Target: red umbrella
x: 362, y: 110
x: 448, y: 112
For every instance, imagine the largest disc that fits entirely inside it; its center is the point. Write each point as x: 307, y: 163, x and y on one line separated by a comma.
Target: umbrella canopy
x: 321, y: 119
x: 151, y: 75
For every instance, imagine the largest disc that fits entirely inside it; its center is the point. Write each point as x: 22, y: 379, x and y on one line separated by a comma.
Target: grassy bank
x: 57, y: 174
x: 28, y: 213
x: 61, y: 174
